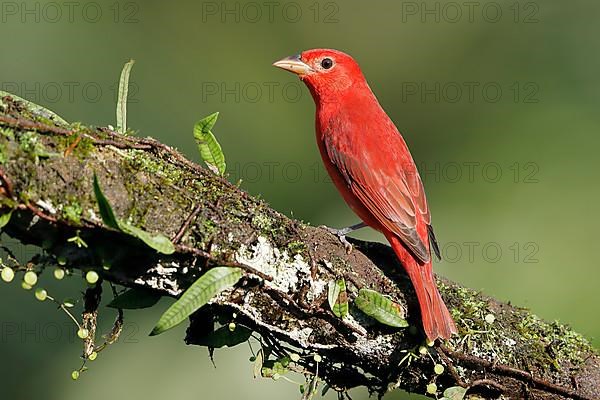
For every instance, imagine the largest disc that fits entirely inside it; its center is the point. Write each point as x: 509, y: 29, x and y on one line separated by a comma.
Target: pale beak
x: 294, y: 64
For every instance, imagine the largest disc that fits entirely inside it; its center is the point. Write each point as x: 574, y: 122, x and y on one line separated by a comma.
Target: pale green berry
x: 75, y: 375
x: 69, y: 303
x: 30, y: 278
x: 231, y: 326
x: 83, y: 333
x: 422, y: 350
x: 7, y: 274
x: 432, y: 388
x: 62, y: 260
x: 59, y: 273
x: 430, y: 343
x: 490, y: 318
x: 294, y: 357
x: 92, y: 277
x: 93, y: 356
x: 26, y: 286
x: 317, y: 358
x: 41, y: 294
x: 438, y: 369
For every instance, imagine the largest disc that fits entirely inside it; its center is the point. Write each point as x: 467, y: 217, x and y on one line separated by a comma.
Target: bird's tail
x: 437, y: 321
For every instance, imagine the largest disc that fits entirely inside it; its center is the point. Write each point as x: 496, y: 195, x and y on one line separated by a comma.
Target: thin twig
x: 6, y: 184
x: 187, y: 224
x: 32, y: 125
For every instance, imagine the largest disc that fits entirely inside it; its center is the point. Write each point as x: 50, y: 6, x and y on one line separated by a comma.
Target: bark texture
x: 46, y: 170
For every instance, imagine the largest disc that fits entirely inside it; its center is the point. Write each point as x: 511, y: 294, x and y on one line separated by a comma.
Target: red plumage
x: 372, y: 168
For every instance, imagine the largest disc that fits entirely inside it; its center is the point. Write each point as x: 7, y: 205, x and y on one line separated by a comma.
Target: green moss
x: 3, y: 154
x: 555, y: 341
x: 209, y: 228
x: 30, y: 144
x: 82, y: 149
x: 8, y: 133
x: 140, y: 161
x: 262, y: 222
x: 41, y: 119
x: 72, y: 212
x: 137, y: 215
x: 296, y: 247
x: 513, y: 336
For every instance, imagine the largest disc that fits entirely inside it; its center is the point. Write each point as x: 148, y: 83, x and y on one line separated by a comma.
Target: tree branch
x: 46, y: 178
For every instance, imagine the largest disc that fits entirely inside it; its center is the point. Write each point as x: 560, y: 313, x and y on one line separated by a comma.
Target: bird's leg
x: 341, y: 233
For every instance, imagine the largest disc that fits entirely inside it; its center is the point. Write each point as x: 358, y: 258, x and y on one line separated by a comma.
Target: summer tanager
x: 372, y: 168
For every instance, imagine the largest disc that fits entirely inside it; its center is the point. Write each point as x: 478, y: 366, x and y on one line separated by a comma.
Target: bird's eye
x: 327, y: 63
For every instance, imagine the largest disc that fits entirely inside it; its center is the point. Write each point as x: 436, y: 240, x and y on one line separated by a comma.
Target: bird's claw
x: 341, y: 234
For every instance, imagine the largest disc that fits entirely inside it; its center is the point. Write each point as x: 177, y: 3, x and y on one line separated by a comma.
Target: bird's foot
x: 341, y: 234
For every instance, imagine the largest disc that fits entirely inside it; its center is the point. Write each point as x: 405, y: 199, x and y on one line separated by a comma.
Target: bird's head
x: 326, y: 72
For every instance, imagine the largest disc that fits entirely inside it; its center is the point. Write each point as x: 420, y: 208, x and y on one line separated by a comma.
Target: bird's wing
x: 395, y: 197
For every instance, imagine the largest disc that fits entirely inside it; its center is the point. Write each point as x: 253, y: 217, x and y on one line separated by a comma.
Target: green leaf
x: 36, y: 109
x: 258, y: 363
x: 5, y: 218
x: 106, y: 212
x: 197, y: 295
x: 380, y: 308
x: 338, y: 298
x: 158, y: 241
x: 455, y: 393
x: 134, y: 299
x: 224, y: 337
x: 122, y: 97
x: 210, y: 149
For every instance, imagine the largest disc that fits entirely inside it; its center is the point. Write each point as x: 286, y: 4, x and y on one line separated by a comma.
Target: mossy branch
x: 46, y: 170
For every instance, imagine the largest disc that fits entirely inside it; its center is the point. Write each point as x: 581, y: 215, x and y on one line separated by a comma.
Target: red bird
x: 372, y: 168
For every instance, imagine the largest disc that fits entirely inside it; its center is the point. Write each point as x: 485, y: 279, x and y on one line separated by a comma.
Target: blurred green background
x: 498, y: 102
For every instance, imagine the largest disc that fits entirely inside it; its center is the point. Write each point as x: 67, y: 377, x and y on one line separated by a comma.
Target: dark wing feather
x: 434, y: 242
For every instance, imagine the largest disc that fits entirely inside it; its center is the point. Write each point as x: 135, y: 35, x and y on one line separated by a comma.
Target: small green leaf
x: 210, y: 149
x: 35, y: 108
x: 258, y: 363
x: 380, y: 308
x: 158, y: 241
x: 333, y: 293
x: 224, y: 337
x: 134, y: 299
x: 197, y: 295
x: 5, y: 218
x: 338, y: 298
x: 122, y: 97
x: 206, y: 124
x: 106, y: 212
x: 455, y: 393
